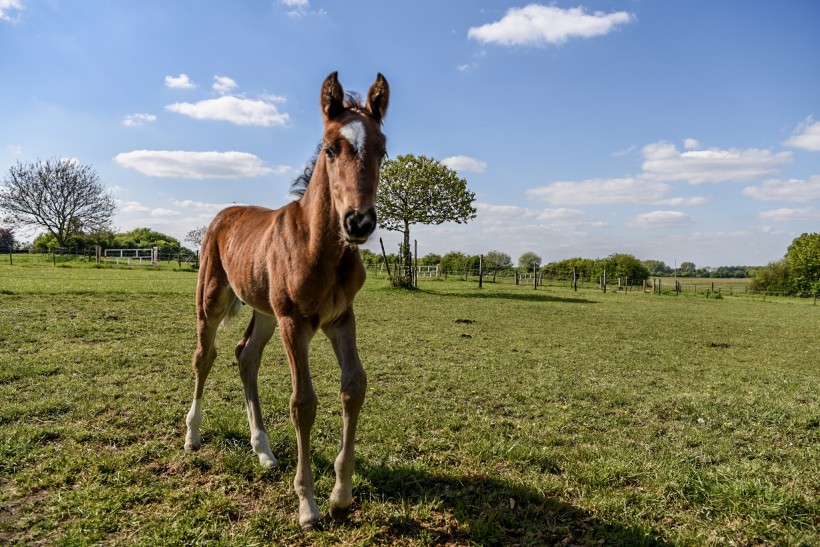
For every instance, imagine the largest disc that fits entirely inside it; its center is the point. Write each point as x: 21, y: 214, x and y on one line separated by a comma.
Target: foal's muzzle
x: 358, y: 226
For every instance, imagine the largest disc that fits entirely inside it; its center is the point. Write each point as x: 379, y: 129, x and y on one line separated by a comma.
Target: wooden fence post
x: 480, y: 271
x: 415, y: 263
x: 386, y: 265
x: 574, y: 280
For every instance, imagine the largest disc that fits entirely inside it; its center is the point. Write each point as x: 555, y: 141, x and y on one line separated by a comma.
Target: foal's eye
x: 329, y: 153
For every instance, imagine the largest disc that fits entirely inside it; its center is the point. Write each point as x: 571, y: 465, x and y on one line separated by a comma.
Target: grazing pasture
x: 498, y: 415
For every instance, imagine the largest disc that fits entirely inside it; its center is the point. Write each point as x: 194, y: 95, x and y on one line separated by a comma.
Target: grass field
x: 503, y: 415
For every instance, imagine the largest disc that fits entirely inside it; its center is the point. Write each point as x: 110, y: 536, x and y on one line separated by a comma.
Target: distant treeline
x: 619, y: 265
x: 139, y: 238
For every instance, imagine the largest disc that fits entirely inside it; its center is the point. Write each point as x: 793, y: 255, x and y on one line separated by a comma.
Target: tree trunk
x: 407, y: 259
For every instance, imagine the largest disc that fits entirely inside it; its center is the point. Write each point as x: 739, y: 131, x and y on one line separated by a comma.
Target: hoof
x: 268, y: 462
x: 339, y: 513
x: 192, y: 447
x: 311, y: 527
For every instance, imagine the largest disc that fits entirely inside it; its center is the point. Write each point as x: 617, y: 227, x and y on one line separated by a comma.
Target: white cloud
x: 602, y: 191
x: 136, y: 120
x: 786, y: 190
x: 806, y: 135
x: 691, y: 144
x: 283, y: 169
x: 133, y: 207
x: 659, y: 219
x: 159, y: 212
x: 224, y: 84
x: 9, y: 9
x: 791, y: 215
x: 625, y: 152
x: 681, y: 201
x: 233, y: 109
x: 201, y: 206
x: 301, y: 7
x: 273, y: 98
x: 179, y: 82
x: 465, y: 164
x: 515, y: 219
x: 193, y: 165
x: 539, y: 25
x: 663, y: 161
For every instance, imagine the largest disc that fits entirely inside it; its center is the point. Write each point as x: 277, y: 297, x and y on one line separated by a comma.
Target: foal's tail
x: 233, y: 310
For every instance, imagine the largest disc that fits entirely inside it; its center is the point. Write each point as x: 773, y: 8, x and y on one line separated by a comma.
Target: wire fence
x: 658, y: 285
x: 116, y: 257
x: 706, y: 287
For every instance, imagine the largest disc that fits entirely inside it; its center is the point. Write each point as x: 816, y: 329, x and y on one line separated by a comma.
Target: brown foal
x: 299, y: 267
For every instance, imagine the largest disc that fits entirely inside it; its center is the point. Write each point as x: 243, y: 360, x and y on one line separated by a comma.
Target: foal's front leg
x: 296, y: 335
x: 342, y: 335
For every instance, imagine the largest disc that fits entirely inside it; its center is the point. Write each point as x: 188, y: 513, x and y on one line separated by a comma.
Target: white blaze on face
x: 355, y: 135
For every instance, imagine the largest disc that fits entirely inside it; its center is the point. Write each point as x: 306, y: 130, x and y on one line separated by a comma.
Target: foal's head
x: 353, y: 147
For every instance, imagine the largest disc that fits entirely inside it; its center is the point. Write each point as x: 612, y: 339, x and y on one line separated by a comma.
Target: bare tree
x: 195, y: 237
x: 63, y: 196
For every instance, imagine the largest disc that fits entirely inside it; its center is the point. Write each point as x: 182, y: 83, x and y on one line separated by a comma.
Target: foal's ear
x: 378, y: 97
x: 332, y: 96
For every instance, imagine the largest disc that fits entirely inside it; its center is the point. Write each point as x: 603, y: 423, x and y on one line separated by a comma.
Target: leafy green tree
x: 420, y: 190
x: 430, y: 259
x: 496, y: 260
x: 454, y: 261
x: 626, y: 266
x: 143, y: 238
x: 657, y: 267
x: 587, y: 268
x: 103, y: 238
x: 529, y: 261
x: 803, y: 258
x: 64, y: 197
x: 687, y: 269
x: 774, y: 277
x: 725, y: 272
x: 370, y: 258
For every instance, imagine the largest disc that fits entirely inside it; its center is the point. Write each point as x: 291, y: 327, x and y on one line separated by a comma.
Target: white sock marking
x: 195, y: 415
x: 355, y: 135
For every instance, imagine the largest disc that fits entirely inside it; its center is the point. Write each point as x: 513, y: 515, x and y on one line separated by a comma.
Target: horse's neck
x: 323, y: 221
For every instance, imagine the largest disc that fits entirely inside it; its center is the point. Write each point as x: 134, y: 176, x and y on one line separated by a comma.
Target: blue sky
x: 677, y: 131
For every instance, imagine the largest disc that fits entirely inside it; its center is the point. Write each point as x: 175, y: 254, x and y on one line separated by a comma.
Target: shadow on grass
x: 527, y: 295
x: 475, y: 509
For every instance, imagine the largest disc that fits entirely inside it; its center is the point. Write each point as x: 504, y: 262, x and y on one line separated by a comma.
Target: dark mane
x: 353, y: 101
x: 299, y: 185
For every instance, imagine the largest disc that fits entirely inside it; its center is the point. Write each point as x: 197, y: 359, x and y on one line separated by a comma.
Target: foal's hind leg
x: 248, y: 355
x: 211, y: 309
x: 342, y: 335
x: 204, y: 356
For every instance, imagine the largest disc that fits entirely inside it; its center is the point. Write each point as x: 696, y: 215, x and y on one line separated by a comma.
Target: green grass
x: 502, y: 415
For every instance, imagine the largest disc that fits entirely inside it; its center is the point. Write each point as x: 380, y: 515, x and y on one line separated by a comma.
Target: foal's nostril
x: 360, y: 225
